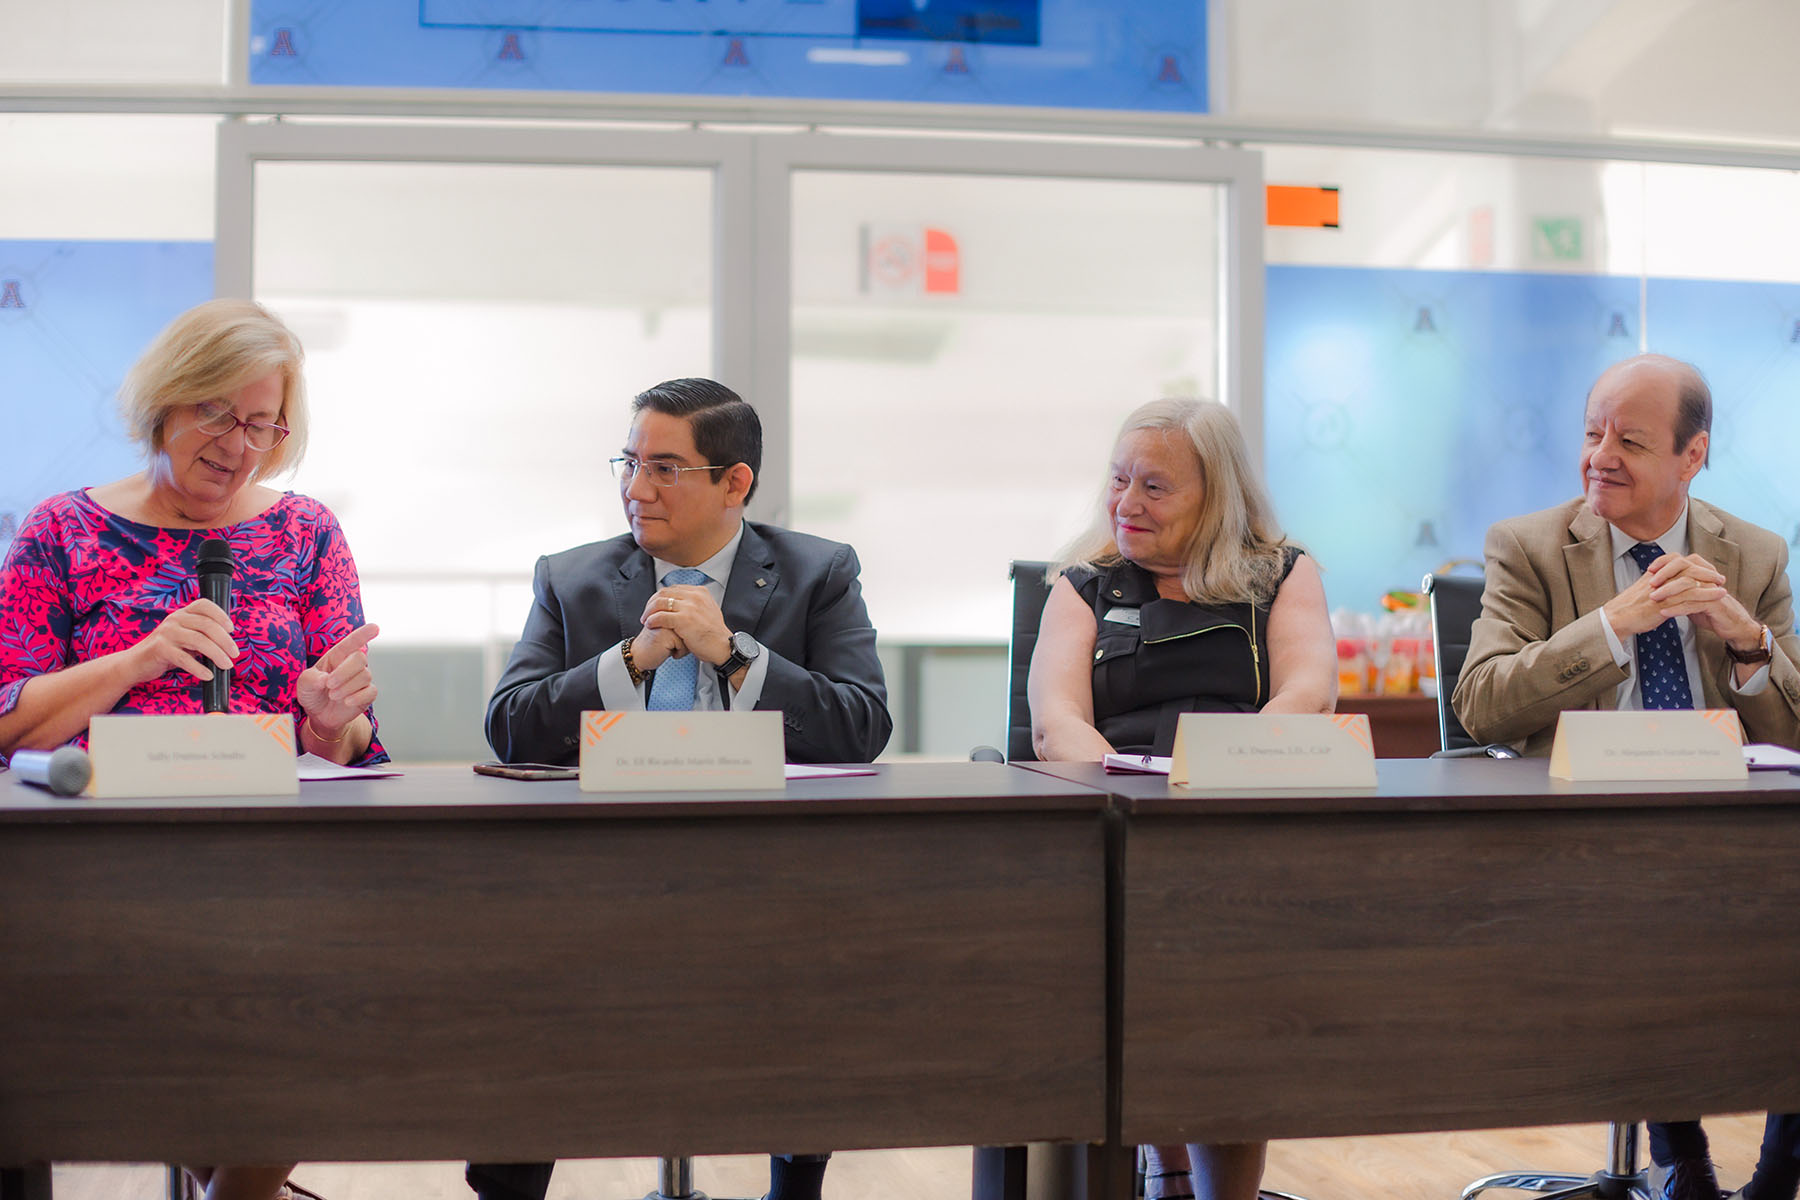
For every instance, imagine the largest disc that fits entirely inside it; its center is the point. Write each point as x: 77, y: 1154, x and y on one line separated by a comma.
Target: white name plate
x: 1272, y: 750
x: 218, y: 754
x: 1684, y: 743
x: 681, y: 751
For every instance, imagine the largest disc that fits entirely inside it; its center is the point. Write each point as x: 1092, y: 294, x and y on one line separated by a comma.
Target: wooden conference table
x: 443, y: 966
x: 447, y: 966
x: 1470, y: 945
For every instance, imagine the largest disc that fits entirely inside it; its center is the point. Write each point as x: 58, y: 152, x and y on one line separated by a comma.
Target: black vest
x: 1155, y: 659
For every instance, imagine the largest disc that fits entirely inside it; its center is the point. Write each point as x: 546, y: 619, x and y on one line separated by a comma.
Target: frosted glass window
x: 474, y: 335
x: 113, y: 41
x: 964, y: 348
x: 107, y: 176
x: 1516, y: 65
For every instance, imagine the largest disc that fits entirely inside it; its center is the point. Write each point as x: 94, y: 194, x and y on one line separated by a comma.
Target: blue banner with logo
x: 1108, y: 54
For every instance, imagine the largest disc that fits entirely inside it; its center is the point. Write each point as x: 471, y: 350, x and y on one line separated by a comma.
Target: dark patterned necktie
x: 672, y: 688
x: 1662, y: 673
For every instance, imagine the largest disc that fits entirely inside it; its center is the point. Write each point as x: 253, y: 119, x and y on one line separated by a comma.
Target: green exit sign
x: 1556, y: 239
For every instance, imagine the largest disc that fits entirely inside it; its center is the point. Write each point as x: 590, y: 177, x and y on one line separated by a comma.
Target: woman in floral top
x: 99, y: 604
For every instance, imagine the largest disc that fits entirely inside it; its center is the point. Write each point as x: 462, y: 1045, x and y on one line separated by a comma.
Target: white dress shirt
x: 617, y: 692
x: 1626, y: 572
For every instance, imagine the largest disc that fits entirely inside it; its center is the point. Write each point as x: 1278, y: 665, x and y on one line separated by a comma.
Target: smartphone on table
x: 526, y: 771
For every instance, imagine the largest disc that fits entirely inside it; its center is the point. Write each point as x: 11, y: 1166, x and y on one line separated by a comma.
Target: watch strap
x: 1765, y: 650
x: 735, y: 663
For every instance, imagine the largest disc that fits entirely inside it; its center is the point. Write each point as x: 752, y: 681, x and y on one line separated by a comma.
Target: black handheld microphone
x: 215, y: 569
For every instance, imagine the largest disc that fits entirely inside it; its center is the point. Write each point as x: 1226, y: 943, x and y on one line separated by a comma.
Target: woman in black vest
x: 1184, y: 596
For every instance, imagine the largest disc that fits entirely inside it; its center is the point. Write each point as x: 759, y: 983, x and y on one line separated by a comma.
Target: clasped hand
x: 1683, y: 585
x: 678, y: 620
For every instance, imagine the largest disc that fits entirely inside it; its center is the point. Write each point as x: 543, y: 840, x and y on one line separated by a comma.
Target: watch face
x: 744, y: 646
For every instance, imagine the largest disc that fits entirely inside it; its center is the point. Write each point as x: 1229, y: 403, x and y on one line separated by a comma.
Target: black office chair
x: 1000, y: 1172
x: 1455, y: 603
x: 1031, y: 589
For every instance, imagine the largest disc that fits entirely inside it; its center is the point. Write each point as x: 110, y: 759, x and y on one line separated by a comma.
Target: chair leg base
x: 1552, y: 1185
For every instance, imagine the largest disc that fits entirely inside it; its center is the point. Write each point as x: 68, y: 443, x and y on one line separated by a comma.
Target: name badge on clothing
x: 1123, y: 616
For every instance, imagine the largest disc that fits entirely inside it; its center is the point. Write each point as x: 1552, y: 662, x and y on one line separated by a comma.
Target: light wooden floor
x: 1433, y: 1166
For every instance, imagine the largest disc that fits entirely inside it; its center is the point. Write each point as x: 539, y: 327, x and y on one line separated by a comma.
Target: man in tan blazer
x: 1636, y: 596
x: 1565, y: 601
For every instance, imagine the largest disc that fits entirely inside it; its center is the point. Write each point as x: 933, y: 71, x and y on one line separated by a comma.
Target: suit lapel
x: 1589, y: 561
x: 632, y: 589
x: 753, y: 580
x: 1706, y: 537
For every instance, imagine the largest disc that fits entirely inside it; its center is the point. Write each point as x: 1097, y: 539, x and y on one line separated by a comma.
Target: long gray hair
x: 1237, y: 551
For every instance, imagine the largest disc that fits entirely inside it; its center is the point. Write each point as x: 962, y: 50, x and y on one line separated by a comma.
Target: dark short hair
x: 726, y: 429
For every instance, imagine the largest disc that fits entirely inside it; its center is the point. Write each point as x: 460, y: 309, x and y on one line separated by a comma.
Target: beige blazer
x: 1538, y: 647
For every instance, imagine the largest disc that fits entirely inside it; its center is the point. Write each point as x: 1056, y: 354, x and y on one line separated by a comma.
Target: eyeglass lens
x: 217, y: 422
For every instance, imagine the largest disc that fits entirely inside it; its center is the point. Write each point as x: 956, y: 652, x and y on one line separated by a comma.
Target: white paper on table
x: 808, y: 771
x: 1135, y: 764
x: 1761, y: 756
x: 313, y: 768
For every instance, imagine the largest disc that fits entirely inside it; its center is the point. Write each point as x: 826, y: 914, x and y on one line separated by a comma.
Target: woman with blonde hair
x: 1183, y: 596
x: 99, y: 604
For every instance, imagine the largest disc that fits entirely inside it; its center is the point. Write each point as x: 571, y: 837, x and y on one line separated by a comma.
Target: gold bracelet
x: 319, y: 737
x: 631, y: 667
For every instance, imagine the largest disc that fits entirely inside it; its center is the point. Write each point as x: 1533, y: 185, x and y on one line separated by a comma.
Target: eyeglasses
x: 662, y: 474
x: 216, y: 420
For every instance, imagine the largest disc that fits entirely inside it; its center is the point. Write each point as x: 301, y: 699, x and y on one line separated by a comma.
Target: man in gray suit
x: 695, y: 608
x: 777, y: 623
x: 1638, y: 596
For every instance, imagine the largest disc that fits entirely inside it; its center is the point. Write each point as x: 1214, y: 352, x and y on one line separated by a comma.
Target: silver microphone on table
x: 64, y: 770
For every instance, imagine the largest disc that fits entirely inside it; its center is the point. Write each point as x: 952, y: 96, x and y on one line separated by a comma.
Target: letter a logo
x: 284, y: 45
x: 734, y: 54
x: 1424, y: 324
x: 510, y: 50
x: 9, y: 294
x: 1170, y: 72
x: 957, y: 63
x: 1617, y: 328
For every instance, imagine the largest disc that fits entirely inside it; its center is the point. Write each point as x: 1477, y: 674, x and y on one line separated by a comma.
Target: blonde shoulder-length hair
x: 207, y: 353
x: 1238, y: 551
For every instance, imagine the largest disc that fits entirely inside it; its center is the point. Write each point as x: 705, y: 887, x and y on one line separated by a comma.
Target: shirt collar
x: 717, y: 568
x: 1674, y: 539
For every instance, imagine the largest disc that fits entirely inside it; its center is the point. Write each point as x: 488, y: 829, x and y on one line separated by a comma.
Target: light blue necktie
x: 672, y: 688
x: 1662, y: 672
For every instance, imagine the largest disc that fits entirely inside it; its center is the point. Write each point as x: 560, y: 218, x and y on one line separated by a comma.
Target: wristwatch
x: 1765, y: 650
x: 744, y: 651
